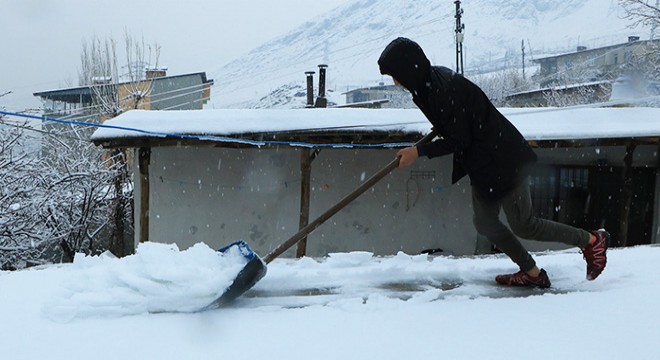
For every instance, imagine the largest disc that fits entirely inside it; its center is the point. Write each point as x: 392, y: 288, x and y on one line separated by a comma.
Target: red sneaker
x: 521, y: 278
x: 596, y: 254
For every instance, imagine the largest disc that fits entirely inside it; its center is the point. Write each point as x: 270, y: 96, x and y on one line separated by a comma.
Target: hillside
x: 350, y: 38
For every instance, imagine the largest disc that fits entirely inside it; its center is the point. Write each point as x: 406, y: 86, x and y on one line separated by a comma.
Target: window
x: 561, y: 194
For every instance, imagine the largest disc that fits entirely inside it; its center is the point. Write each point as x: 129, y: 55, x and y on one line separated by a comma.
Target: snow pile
x: 158, y: 278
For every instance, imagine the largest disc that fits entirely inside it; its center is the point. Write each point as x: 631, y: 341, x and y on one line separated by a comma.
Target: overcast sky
x: 42, y: 39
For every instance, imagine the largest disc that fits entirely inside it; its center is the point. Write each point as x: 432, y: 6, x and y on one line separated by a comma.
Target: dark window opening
x: 592, y: 198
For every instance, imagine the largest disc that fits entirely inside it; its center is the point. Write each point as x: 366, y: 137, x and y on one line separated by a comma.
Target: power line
x: 29, y: 128
x: 301, y: 66
x: 237, y: 79
x: 78, y: 114
x: 201, y: 88
x: 255, y: 143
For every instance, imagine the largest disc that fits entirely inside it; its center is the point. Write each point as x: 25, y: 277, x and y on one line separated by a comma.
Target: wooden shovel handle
x: 302, y: 233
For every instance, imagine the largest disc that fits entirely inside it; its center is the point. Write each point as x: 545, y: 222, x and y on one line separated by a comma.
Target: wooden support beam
x: 144, y: 158
x: 306, y: 158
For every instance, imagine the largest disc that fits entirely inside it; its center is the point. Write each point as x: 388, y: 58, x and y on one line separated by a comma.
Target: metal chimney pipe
x: 310, y: 88
x: 322, y: 68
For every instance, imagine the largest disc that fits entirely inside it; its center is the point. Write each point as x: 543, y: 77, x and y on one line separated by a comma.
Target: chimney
x: 322, y: 68
x: 321, y: 101
x: 310, y: 88
x: 633, y: 38
x: 581, y: 48
x: 155, y: 73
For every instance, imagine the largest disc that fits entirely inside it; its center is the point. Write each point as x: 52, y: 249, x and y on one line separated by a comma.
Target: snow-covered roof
x: 562, y: 87
x: 534, y: 123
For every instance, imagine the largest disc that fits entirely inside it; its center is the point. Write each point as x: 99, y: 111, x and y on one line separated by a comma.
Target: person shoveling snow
x: 495, y: 156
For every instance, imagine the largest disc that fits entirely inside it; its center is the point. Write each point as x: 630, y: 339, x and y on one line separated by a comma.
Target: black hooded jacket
x: 486, y: 146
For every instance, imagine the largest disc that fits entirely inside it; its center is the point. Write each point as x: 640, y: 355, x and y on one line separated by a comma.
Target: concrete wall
x: 222, y: 195
x: 219, y: 195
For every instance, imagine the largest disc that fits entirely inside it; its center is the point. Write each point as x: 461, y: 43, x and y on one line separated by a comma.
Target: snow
x: 351, y: 37
x: 533, y: 123
x: 138, y: 284
x: 345, y: 305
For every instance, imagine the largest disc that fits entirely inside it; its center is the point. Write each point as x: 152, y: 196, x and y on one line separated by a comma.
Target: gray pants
x: 517, y: 206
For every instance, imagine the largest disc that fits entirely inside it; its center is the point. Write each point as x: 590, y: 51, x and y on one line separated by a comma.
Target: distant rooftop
x: 84, y: 93
x: 581, y: 49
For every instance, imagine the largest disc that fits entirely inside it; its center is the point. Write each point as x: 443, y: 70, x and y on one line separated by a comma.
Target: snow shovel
x: 255, y: 269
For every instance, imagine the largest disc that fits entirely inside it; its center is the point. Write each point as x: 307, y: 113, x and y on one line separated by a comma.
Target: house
x: 589, y: 75
x: 157, y: 91
x: 604, y: 63
x: 217, y: 176
x: 385, y: 96
x: 105, y: 98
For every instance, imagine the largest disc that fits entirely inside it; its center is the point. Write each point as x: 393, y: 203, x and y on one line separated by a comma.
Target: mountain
x: 350, y: 38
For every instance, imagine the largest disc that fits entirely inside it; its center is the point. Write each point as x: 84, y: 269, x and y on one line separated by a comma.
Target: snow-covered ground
x: 344, y: 306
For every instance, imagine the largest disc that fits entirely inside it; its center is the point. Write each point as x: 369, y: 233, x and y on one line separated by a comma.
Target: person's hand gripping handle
x: 407, y: 156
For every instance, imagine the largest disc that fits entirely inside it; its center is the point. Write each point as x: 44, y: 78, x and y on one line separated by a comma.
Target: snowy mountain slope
x: 350, y: 38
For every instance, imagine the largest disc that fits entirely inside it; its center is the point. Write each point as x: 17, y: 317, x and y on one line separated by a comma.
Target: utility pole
x: 655, y: 23
x: 522, y: 44
x: 459, y: 37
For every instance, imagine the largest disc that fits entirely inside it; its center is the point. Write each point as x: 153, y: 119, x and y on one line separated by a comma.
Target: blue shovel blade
x: 252, y: 272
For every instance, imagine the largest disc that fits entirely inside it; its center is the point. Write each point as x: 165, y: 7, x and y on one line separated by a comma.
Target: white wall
x: 218, y: 195
x: 222, y: 195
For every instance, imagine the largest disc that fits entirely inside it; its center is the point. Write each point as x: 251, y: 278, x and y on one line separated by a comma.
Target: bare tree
x: 84, y: 177
x: 50, y: 210
x: 645, y: 12
x: 17, y: 183
x: 99, y: 69
x: 72, y: 196
x: 499, y: 85
x: 576, y: 95
x: 2, y: 107
x: 117, y: 89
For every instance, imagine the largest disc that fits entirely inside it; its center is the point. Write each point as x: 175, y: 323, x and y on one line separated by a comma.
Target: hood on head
x: 405, y: 61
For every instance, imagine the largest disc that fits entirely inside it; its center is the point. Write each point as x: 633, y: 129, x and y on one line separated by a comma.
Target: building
x: 156, y: 92
x: 217, y: 176
x: 589, y: 75
x: 105, y: 99
x: 585, y: 65
x: 381, y: 96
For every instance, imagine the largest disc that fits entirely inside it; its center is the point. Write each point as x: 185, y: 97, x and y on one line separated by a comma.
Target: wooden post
x: 306, y: 158
x: 118, y: 245
x: 366, y: 185
x: 626, y: 194
x: 144, y: 160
